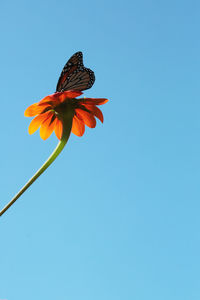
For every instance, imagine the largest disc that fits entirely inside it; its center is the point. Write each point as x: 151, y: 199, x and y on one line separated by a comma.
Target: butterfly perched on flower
x: 51, y: 110
x: 63, y: 113
x: 75, y: 76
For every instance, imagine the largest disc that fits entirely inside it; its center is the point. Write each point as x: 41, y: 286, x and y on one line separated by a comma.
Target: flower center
x: 65, y: 108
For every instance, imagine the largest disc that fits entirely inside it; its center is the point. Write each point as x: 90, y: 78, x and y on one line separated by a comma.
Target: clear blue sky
x: 117, y: 215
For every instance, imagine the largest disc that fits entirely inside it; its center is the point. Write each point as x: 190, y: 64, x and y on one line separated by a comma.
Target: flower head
x: 50, y: 112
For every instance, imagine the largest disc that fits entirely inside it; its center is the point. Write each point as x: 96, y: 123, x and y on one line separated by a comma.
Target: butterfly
x: 75, y: 76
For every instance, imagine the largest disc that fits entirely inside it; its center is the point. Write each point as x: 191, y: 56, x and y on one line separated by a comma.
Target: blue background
x: 117, y: 215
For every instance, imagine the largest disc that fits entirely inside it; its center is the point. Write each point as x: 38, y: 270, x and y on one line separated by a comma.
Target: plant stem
x: 67, y: 124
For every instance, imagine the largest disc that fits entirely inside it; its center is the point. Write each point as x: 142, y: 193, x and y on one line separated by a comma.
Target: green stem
x: 67, y: 124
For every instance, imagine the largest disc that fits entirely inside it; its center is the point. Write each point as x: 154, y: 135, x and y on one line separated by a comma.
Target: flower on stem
x: 63, y: 113
x: 50, y: 111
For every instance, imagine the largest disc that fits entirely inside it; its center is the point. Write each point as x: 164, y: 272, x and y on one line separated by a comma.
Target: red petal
x: 93, y: 101
x: 71, y: 94
x: 45, y: 99
x: 37, y: 121
x: 47, y: 128
x: 96, y: 111
x: 78, y: 127
x: 86, y: 117
x: 58, y: 97
x: 51, y: 99
x: 34, y: 110
x: 58, y: 129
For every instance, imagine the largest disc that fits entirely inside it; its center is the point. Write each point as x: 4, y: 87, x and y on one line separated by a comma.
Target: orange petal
x: 58, y: 128
x: 49, y: 100
x: 96, y: 111
x: 45, y: 99
x: 78, y: 127
x: 37, y: 121
x: 47, y: 127
x: 86, y: 117
x: 72, y: 94
x: 93, y: 101
x: 34, y: 110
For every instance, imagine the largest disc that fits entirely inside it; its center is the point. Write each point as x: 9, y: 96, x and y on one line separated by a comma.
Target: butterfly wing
x: 75, y: 76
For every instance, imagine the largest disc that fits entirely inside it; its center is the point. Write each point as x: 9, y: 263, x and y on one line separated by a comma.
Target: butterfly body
x: 75, y: 76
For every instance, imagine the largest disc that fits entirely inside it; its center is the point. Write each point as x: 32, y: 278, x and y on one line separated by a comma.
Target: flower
x: 50, y: 112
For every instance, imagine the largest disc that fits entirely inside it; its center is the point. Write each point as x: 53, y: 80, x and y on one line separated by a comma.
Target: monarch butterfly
x: 75, y: 76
